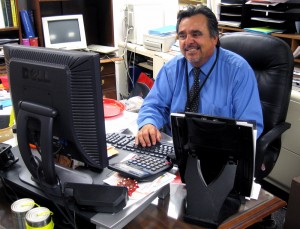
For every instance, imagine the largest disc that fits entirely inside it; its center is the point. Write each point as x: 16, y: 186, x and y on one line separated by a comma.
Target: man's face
x: 194, y: 39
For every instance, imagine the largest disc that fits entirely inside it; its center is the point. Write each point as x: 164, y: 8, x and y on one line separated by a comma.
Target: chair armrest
x: 264, y: 141
x: 266, y: 156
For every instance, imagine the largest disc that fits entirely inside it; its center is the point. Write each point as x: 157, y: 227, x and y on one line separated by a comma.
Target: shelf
x: 289, y: 36
x: 227, y: 28
x: 9, y: 29
x: 145, y: 65
x: 294, y: 39
x: 13, y: 32
x: 190, y: 1
x: 54, y: 0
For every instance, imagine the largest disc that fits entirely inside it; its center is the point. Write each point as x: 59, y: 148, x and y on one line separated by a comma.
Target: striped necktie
x: 194, y: 92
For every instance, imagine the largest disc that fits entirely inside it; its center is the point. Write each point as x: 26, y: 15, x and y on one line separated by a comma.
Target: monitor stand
x: 65, y: 175
x: 209, y: 204
x: 43, y: 170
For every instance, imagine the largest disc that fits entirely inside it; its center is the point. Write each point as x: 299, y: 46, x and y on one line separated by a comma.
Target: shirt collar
x: 205, y: 67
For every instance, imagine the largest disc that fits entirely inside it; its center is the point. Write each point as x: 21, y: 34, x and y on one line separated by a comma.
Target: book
x: 25, y: 41
x: 2, y: 23
x: 263, y: 30
x: 31, y: 16
x: 163, y: 31
x: 8, y: 40
x: 296, y: 53
x: 9, y: 13
x: 4, y: 11
x: 26, y: 24
x: 34, y: 41
x: 14, y: 12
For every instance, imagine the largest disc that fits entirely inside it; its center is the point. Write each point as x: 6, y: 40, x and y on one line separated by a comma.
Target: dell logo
x: 35, y: 75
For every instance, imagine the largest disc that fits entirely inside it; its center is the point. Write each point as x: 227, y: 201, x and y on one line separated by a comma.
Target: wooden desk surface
x: 168, y: 213
x: 107, y: 59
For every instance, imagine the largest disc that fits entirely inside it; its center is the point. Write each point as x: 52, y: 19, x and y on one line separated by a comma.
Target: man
x: 227, y: 86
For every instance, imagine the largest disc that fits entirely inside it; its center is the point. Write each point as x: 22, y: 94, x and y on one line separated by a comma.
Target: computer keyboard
x: 102, y: 48
x: 147, y: 162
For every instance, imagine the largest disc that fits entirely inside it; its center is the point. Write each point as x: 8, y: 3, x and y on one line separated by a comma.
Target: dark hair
x: 192, y: 10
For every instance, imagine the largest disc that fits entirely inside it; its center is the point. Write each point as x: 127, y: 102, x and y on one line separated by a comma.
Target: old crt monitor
x: 64, y: 32
x: 57, y: 99
x: 215, y: 157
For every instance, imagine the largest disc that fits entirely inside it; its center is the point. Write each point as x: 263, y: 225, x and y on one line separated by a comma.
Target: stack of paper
x: 163, y: 31
x: 296, y: 53
x: 264, y: 30
x: 144, y: 188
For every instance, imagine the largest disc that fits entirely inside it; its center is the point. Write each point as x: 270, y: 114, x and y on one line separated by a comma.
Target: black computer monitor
x: 215, y: 157
x: 58, y: 105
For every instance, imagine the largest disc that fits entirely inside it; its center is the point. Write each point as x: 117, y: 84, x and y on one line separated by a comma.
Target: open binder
x: 215, y: 156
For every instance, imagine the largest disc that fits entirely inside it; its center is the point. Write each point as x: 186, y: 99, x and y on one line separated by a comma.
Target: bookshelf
x: 10, y: 32
x: 44, y: 8
x: 97, y: 15
x: 13, y: 31
x: 293, y: 40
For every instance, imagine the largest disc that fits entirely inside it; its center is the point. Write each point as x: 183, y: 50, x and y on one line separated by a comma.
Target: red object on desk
x: 112, y: 107
x: 4, y: 81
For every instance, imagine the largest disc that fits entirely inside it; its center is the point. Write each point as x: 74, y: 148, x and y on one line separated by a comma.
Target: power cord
x: 67, y: 214
x: 8, y: 191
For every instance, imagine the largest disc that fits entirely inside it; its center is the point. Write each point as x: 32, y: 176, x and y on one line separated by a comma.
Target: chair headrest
x: 260, y: 50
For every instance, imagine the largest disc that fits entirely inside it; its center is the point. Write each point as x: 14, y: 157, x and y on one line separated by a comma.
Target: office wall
x: 119, y: 15
x: 288, y: 164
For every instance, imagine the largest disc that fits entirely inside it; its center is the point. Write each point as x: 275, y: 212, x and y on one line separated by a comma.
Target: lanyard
x: 190, y: 101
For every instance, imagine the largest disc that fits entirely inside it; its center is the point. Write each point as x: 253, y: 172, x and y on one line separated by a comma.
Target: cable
x: 8, y: 191
x: 124, y: 53
x: 67, y: 215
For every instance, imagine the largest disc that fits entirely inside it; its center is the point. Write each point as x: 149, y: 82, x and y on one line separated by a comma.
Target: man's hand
x: 148, y: 135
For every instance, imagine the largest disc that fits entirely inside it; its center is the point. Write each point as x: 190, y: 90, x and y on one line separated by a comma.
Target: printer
x: 158, y: 43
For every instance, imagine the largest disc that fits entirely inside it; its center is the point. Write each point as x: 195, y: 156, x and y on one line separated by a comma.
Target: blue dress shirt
x: 230, y: 91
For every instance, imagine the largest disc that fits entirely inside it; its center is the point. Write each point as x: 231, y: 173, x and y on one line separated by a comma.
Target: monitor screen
x: 58, y: 104
x: 64, y: 32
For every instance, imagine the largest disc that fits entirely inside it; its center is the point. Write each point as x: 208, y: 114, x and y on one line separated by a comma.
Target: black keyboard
x: 147, y: 163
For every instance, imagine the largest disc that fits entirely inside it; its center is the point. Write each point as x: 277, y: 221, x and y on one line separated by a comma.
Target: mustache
x: 187, y: 48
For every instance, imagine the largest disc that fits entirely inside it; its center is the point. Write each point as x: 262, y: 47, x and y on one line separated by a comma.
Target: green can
x: 19, y: 208
x: 39, y: 218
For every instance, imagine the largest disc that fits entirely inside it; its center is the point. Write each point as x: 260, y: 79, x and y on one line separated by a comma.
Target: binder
x: 33, y: 41
x: 4, y: 11
x: 25, y: 41
x: 14, y: 12
x: 9, y: 13
x: 2, y: 23
x: 26, y: 24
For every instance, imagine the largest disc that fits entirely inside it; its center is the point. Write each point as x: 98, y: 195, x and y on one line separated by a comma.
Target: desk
x: 159, y: 59
x: 108, y: 76
x: 167, y: 213
x: 162, y: 213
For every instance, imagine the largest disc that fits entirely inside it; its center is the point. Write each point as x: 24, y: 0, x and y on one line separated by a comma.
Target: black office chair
x: 273, y: 64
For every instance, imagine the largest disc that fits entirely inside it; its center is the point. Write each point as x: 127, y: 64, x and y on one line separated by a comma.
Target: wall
x: 119, y: 16
x: 288, y: 164
x: 120, y: 34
